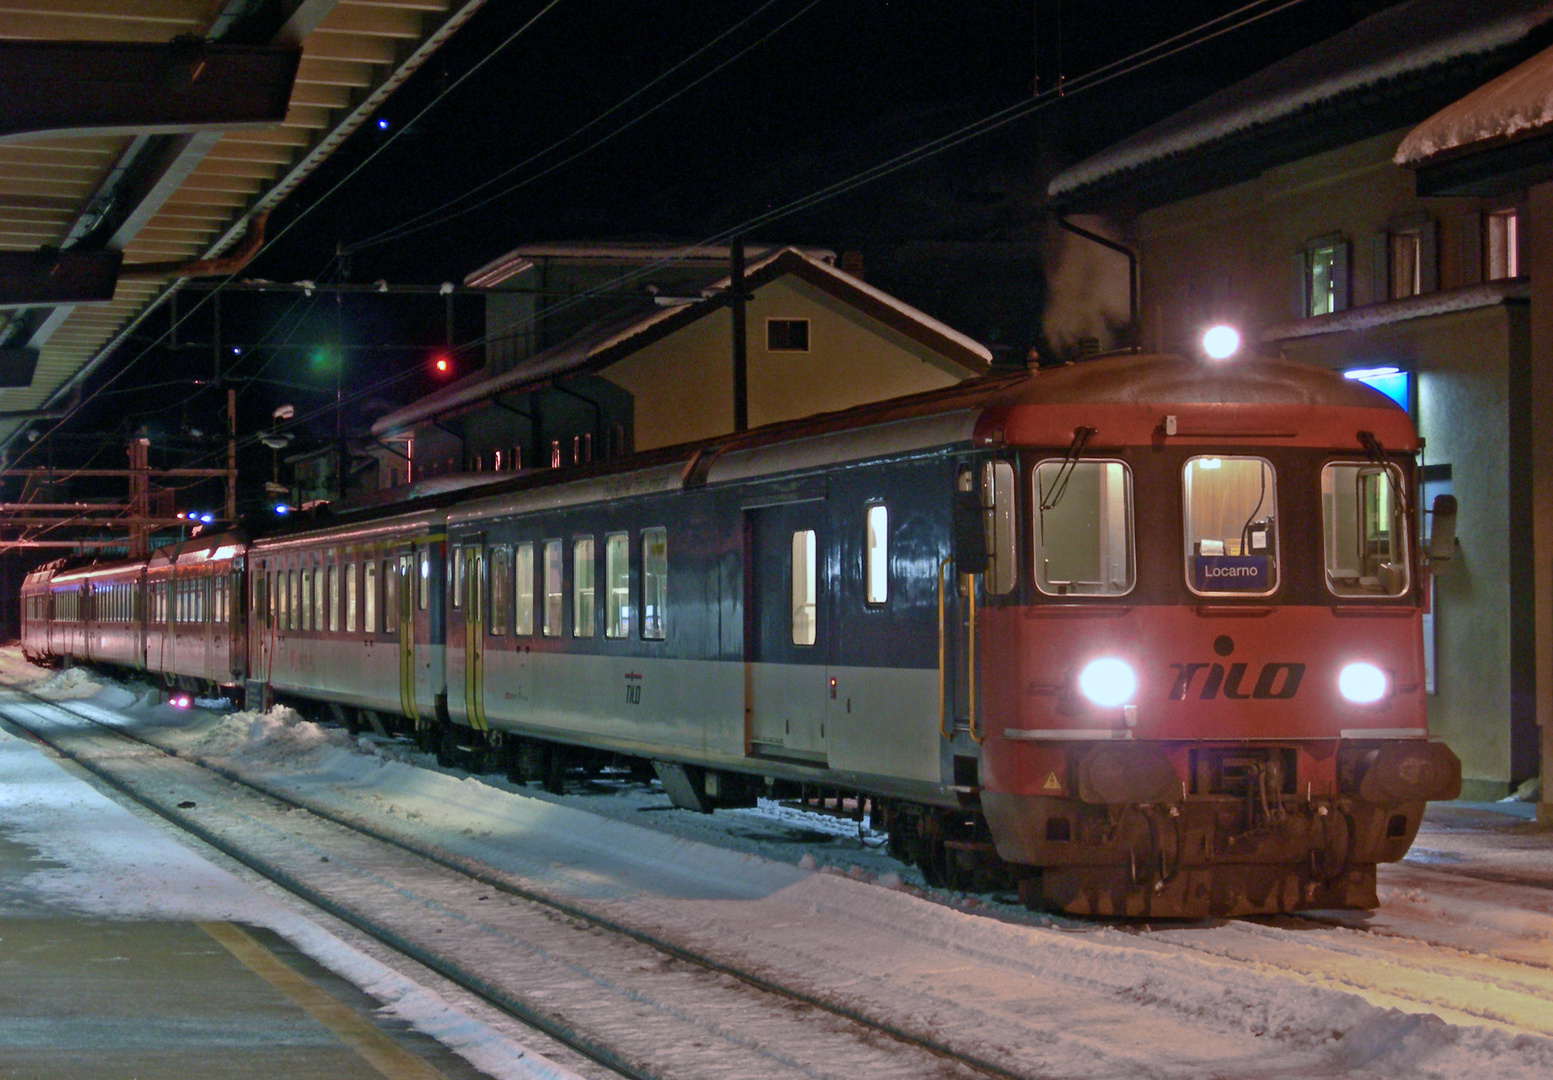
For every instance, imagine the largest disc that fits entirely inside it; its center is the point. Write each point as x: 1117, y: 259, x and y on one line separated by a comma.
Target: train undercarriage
x: 1132, y: 841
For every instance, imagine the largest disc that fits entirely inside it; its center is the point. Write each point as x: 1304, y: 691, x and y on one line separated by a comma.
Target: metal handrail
x: 942, y: 711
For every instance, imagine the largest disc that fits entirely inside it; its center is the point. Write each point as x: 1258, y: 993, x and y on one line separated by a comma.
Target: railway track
x: 637, y: 1005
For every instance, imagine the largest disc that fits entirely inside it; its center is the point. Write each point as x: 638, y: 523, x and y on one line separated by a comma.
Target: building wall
x: 683, y: 384
x: 1238, y: 254
x: 1462, y: 362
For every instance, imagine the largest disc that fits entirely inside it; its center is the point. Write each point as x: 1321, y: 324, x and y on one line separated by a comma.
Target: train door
x: 957, y: 600
x: 466, y: 635
x: 237, y: 621
x: 404, y: 614
x: 785, y: 639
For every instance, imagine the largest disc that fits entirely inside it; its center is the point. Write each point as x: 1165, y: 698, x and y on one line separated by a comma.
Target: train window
x: 1365, y: 529
x: 350, y: 597
x: 424, y: 589
x: 369, y: 597
x: 1231, y: 534
x: 319, y: 597
x: 331, y: 595
x: 283, y: 597
x: 876, y: 554
x: 553, y: 595
x: 501, y: 587
x: 458, y: 577
x: 582, y: 586
x: 307, y: 598
x: 1083, y: 528
x: 617, y: 585
x: 523, y: 619
x: 997, y: 497
x: 391, y: 583
x: 655, y: 583
x: 332, y: 574
x: 805, y: 592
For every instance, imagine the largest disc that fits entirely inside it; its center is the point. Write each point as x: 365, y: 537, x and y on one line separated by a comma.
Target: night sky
x: 784, y: 98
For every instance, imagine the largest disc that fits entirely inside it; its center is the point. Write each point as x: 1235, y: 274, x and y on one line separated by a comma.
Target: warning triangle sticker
x: 1051, y: 782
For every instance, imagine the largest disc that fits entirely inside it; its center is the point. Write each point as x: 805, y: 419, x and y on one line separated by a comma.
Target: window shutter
x: 1429, y: 256
x: 1299, y: 277
x: 1380, y: 267
x: 1467, y: 234
x: 1340, y: 276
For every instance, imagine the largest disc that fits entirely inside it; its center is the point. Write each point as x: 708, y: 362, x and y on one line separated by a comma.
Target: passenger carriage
x: 195, y: 613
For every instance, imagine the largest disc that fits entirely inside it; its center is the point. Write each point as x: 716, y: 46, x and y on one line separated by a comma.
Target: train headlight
x: 1108, y: 682
x: 1362, y: 683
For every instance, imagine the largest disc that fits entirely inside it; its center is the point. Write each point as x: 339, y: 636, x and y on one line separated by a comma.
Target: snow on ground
x: 96, y: 859
x: 802, y: 897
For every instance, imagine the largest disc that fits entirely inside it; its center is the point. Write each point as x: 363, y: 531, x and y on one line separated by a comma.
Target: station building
x: 1279, y: 204
x: 597, y: 351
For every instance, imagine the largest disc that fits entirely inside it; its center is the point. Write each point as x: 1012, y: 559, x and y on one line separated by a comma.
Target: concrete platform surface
x: 83, y: 998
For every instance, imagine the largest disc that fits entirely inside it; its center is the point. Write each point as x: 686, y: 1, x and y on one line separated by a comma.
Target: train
x: 1140, y: 636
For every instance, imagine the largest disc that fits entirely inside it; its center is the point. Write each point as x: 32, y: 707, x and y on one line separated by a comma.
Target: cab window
x: 1231, y: 526
x: 1083, y: 528
x: 1364, y: 529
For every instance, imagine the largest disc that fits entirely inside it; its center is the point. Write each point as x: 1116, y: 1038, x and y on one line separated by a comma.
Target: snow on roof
x: 1519, y: 100
x: 573, y: 355
x: 1401, y: 41
x: 1369, y: 316
x: 639, y: 252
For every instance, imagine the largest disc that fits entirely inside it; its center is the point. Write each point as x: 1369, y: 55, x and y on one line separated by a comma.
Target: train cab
x: 1205, y: 691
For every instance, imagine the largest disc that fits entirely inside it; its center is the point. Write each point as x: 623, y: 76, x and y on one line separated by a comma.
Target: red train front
x: 1212, y: 700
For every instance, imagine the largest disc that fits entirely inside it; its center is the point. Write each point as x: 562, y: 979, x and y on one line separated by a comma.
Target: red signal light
x: 441, y: 364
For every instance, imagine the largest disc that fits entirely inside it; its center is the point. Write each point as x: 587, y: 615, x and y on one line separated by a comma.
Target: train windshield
x: 1083, y: 528
x: 1231, y: 528
x: 1364, y: 528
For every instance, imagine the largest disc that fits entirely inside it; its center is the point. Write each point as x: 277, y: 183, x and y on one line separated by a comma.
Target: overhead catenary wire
x: 1187, y: 39
x: 1209, y: 30
x: 1174, y: 45
x: 428, y: 218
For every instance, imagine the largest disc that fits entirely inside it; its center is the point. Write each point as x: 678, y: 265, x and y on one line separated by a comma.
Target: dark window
x: 787, y: 335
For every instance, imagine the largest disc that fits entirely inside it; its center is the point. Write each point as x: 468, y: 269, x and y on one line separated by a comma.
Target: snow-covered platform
x: 125, y: 953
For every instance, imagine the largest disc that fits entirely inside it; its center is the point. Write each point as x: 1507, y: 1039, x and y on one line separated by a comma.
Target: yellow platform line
x: 377, y: 1049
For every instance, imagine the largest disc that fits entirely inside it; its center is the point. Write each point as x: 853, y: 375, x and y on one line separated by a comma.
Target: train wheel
x: 932, y: 858
x: 555, y: 771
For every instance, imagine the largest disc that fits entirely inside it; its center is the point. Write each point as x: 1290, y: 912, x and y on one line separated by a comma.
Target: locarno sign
x: 1230, y: 573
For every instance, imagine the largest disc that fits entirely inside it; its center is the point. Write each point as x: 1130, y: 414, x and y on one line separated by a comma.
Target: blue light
x: 207, y: 518
x: 382, y: 125
x: 1391, y: 381
x: 282, y: 509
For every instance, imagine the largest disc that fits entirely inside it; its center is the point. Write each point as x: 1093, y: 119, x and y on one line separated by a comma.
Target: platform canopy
x: 138, y: 137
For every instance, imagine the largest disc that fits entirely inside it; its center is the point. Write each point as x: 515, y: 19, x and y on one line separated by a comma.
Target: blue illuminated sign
x: 1391, y: 381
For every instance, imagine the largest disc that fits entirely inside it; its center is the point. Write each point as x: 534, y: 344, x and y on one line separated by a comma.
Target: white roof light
x: 1221, y: 342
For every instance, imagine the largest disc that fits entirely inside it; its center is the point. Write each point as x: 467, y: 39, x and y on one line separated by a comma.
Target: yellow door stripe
x: 376, y: 1048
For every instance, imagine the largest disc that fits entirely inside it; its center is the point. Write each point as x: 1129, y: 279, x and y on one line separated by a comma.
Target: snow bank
x: 71, y: 684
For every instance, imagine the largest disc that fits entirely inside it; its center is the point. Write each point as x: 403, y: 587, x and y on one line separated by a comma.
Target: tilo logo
x: 1275, y: 680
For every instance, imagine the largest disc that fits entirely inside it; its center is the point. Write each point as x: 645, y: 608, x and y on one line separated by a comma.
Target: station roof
x: 139, y: 136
